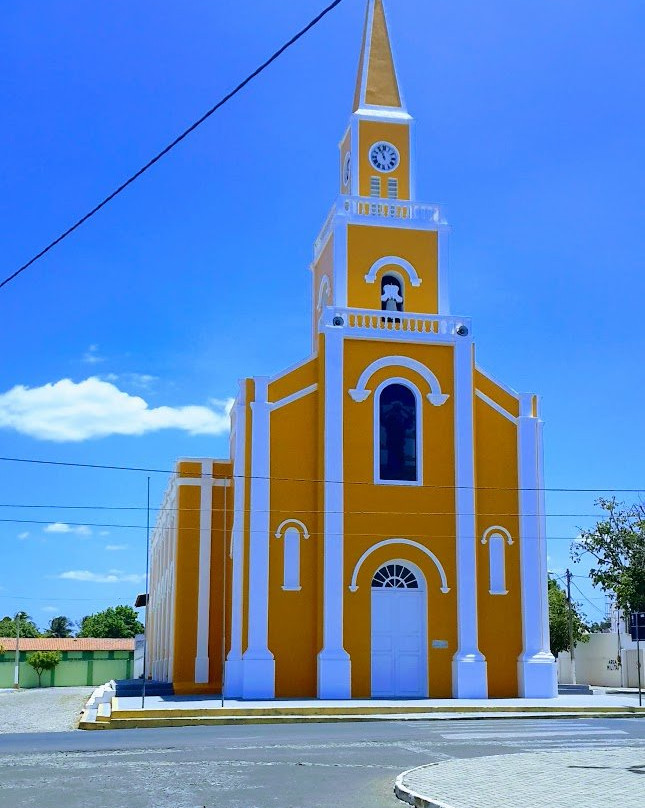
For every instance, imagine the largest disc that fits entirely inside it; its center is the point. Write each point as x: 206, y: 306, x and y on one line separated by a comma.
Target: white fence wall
x: 607, y: 660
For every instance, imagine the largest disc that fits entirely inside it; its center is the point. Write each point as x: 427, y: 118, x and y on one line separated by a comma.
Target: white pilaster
x: 536, y: 668
x: 233, y: 665
x: 469, y: 679
x: 339, y: 288
x: 443, y: 262
x: 334, y: 666
x: 258, y: 665
x: 204, y: 586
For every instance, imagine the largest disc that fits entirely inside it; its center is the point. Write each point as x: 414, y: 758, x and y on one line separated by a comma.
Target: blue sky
x: 530, y: 132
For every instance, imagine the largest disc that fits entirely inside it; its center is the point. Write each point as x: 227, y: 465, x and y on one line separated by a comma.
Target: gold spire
x: 376, y: 84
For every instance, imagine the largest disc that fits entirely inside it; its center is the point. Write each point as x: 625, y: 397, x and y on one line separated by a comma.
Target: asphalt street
x: 286, y: 765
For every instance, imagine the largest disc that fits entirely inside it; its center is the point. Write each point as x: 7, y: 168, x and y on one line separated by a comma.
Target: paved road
x: 287, y: 766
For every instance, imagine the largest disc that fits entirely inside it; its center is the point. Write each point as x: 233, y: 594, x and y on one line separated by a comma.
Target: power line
x: 602, y: 611
x: 195, y: 476
x: 347, y: 533
x: 175, y: 142
x: 164, y: 509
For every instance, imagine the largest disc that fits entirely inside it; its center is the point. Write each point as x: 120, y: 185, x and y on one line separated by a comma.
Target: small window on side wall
x: 397, y: 410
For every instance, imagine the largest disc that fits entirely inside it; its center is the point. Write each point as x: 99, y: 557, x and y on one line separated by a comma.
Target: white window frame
x: 497, y: 538
x: 377, y: 431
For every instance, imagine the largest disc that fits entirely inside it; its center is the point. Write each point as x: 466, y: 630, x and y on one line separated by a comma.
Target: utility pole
x: 16, y: 670
x: 571, y: 645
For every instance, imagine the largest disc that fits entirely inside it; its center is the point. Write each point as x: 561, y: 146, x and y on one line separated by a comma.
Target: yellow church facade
x: 378, y: 530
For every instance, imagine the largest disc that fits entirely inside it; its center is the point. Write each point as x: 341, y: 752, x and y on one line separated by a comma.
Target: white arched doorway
x: 399, y: 632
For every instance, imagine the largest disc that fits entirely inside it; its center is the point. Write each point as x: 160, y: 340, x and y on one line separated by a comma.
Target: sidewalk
x: 587, y: 779
x: 126, y: 712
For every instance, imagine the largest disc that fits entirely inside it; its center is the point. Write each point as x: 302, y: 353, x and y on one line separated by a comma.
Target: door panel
x: 399, y: 655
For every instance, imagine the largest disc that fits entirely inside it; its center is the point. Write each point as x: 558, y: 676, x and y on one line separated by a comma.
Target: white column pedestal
x: 537, y: 676
x: 258, y: 679
x: 233, y: 677
x: 201, y: 669
x: 469, y: 677
x: 334, y: 675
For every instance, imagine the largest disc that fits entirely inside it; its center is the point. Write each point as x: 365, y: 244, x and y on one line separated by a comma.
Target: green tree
x: 559, y: 620
x: 120, y: 621
x: 60, y: 627
x: 617, y: 543
x: 600, y: 628
x: 27, y: 626
x: 42, y: 661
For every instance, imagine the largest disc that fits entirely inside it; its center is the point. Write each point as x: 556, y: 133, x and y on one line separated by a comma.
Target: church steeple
x: 376, y: 83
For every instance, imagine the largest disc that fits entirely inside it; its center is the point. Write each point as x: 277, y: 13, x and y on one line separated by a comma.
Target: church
x: 378, y: 530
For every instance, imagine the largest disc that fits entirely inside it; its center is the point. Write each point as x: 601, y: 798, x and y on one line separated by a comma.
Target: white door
x: 399, y: 644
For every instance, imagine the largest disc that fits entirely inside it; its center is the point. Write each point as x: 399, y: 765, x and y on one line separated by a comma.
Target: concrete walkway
x: 586, y: 779
x: 127, y: 712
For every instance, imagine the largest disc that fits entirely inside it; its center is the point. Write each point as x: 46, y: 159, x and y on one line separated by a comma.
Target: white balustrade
x: 398, y: 210
x: 371, y: 320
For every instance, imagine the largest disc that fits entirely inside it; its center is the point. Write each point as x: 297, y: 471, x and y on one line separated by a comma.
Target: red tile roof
x: 67, y: 644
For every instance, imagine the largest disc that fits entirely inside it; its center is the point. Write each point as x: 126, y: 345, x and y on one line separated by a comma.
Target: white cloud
x: 142, y: 380
x: 51, y: 609
x: 70, y: 411
x: 104, y: 532
x: 110, y: 577
x: 62, y: 527
x: 115, y: 547
x: 24, y: 535
x: 92, y: 356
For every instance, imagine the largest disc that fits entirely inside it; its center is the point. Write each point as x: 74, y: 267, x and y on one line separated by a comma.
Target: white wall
x: 597, y: 662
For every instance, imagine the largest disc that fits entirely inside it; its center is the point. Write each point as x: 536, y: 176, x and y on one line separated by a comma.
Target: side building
x: 378, y: 530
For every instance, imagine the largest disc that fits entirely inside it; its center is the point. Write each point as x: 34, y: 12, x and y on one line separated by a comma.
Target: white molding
x: 443, y: 270
x: 497, y: 407
x: 370, y: 112
x: 435, y: 397
x: 258, y: 665
x: 204, y: 580
x: 293, y: 397
x: 233, y: 665
x: 323, y: 288
x: 469, y: 678
x: 496, y: 529
x: 334, y: 665
x: 376, y: 446
x: 536, y: 665
x: 283, y: 525
x: 291, y: 368
x: 496, y: 381
x: 339, y: 288
x: 442, y: 573
x: 393, y: 260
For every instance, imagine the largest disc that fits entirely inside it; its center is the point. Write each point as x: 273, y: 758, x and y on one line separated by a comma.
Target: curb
x: 405, y: 794
x: 157, y: 721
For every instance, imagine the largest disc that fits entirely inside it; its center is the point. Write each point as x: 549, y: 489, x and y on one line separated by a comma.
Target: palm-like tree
x: 59, y: 627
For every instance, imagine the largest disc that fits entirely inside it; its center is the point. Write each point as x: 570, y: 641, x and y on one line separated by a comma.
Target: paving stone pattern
x: 48, y: 709
x: 587, y: 779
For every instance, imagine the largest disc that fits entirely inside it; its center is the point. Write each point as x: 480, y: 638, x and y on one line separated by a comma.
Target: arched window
x: 397, y: 409
x: 394, y: 576
x: 497, y: 538
x: 391, y: 293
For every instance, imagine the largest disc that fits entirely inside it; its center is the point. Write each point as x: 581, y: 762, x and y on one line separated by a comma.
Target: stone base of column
x: 334, y: 675
x: 233, y: 668
x: 469, y: 676
x: 258, y: 675
x: 537, y: 676
x: 201, y: 670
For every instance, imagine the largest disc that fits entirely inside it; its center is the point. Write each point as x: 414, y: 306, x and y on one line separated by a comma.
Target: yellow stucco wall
x: 500, y: 626
x: 370, y: 132
x: 425, y: 514
x: 187, y: 578
x: 293, y: 615
x: 367, y: 244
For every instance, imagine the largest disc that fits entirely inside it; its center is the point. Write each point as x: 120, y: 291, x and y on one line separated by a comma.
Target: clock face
x: 384, y: 156
x: 347, y: 168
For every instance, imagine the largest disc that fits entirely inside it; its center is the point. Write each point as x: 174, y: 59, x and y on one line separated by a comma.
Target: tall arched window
x: 391, y: 293
x: 397, y: 411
